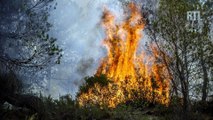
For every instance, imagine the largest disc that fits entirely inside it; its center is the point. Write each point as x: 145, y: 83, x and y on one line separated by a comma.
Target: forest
x: 106, y: 60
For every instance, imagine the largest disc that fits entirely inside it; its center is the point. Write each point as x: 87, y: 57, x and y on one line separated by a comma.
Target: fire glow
x: 132, y: 77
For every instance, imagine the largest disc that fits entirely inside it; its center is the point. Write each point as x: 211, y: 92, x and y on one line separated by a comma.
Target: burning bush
x: 133, y: 75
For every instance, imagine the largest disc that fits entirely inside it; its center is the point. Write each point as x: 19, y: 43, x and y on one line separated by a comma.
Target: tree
x: 205, y: 45
x: 190, y: 52
x: 24, y: 28
x: 25, y: 46
x: 168, y: 32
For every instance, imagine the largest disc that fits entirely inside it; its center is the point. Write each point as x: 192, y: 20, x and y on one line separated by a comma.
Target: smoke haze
x: 76, y: 25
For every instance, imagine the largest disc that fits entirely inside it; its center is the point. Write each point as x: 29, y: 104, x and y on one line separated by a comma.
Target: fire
x: 134, y: 76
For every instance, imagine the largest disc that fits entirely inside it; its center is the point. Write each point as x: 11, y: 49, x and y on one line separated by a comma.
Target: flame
x: 134, y: 76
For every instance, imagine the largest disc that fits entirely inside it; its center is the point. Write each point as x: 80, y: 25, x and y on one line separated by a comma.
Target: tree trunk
x: 185, y: 92
x: 184, y: 85
x: 205, y: 80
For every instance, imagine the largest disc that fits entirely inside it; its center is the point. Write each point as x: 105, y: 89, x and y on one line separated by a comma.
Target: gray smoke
x: 76, y: 25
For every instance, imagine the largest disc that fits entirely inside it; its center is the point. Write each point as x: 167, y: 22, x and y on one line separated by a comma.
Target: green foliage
x: 91, y: 81
x: 139, y: 103
x: 66, y: 108
x: 190, y: 52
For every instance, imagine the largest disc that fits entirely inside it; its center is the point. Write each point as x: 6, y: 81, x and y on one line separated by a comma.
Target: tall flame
x: 134, y: 76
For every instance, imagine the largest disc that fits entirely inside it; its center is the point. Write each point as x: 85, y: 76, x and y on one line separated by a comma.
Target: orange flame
x: 132, y: 77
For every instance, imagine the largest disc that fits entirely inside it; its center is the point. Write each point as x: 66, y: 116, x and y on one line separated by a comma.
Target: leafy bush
x: 91, y: 81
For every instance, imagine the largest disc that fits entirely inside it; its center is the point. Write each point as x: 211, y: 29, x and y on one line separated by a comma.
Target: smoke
x: 84, y: 66
x: 76, y: 25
